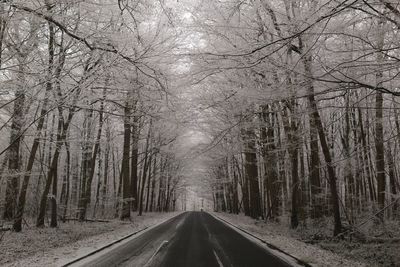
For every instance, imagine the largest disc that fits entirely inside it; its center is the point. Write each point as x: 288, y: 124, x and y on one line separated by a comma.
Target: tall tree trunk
x: 272, y: 183
x: 43, y: 114
x: 64, y: 197
x: 149, y: 180
x: 291, y: 126
x: 85, y: 200
x: 392, y: 179
x: 51, y: 173
x: 348, y: 174
x: 126, y: 190
x: 251, y: 172
x: 74, y: 181
x: 145, y: 167
x: 14, y: 157
x: 379, y: 142
x: 3, y: 166
x: 106, y: 169
x: 366, y: 156
x: 167, y: 193
x: 62, y: 130
x: 235, y: 188
x: 86, y: 160
x: 3, y: 26
x: 314, y: 171
x: 317, y: 124
x: 54, y: 174
x: 134, y: 162
x: 98, y: 187
x: 161, y: 185
x: 153, y: 183
x: 244, y: 186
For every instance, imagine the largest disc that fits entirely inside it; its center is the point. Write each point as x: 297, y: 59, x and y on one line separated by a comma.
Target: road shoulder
x: 310, y: 254
x: 58, y: 254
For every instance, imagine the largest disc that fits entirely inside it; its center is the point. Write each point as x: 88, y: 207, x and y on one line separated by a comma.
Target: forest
x: 319, y: 131
x: 84, y: 124
x: 284, y: 110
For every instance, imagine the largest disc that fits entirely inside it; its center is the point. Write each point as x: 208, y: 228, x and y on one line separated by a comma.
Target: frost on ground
x: 279, y: 236
x: 57, y: 246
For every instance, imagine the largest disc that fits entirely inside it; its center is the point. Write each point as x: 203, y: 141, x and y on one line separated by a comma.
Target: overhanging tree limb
x: 92, y: 46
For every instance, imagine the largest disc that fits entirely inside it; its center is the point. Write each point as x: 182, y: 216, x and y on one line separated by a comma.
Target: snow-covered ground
x: 54, y: 247
x: 280, y: 237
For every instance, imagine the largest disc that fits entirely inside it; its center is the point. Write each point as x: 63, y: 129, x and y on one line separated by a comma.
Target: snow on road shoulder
x: 273, y: 234
x: 55, y: 247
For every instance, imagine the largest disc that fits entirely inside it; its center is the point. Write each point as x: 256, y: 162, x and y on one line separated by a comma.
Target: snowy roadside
x: 55, y: 247
x: 275, y: 235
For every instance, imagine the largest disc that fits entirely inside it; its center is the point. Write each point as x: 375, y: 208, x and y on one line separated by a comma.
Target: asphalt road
x: 191, y: 239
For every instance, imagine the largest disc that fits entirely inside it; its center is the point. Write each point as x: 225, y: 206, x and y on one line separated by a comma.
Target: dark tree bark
x: 145, y: 169
x: 153, y: 184
x: 43, y: 113
x: 291, y: 128
x: 251, y: 172
x: 366, y: 156
x: 236, y: 209
x: 50, y: 177
x: 64, y: 196
x: 161, y: 184
x: 54, y: 172
x: 62, y: 129
x: 86, y: 160
x: 150, y: 176
x: 379, y: 135
x: 126, y: 191
x: 99, y: 181
x: 314, y: 170
x: 134, y: 162
x: 104, y: 190
x: 14, y: 156
x: 271, y: 182
x: 317, y: 124
x: 348, y: 173
x: 85, y: 198
x: 3, y: 26
x: 392, y: 179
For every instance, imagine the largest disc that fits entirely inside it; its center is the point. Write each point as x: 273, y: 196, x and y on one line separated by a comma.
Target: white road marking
x: 163, y: 244
x: 218, y: 259
x: 288, y: 259
x: 83, y: 260
x: 180, y: 223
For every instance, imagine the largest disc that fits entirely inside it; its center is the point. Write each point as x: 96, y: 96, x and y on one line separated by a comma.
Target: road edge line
x: 269, y: 245
x: 115, y: 242
x: 160, y: 247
